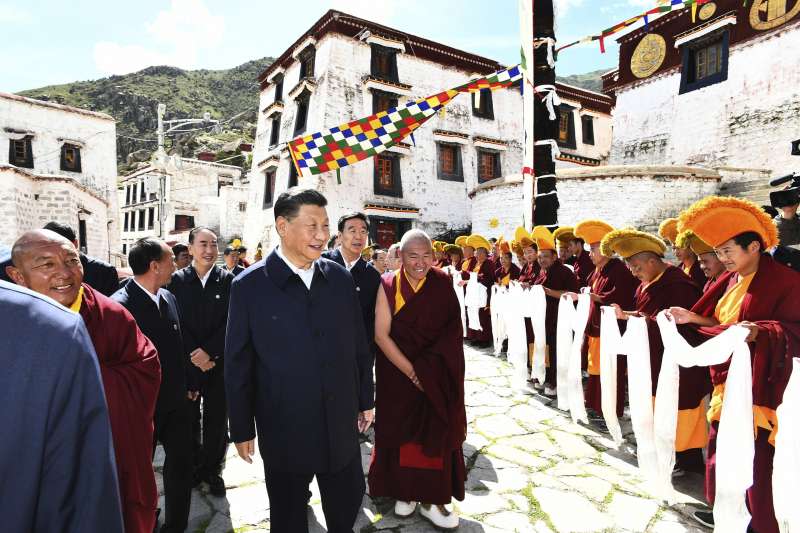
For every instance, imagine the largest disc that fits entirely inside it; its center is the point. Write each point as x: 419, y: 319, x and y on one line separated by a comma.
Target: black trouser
x: 215, y: 424
x: 173, y: 430
x: 342, y: 493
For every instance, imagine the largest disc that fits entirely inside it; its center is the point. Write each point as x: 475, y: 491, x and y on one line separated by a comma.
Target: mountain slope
x: 588, y: 80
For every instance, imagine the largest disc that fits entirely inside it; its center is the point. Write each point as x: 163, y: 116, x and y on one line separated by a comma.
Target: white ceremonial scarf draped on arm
x: 456, y: 275
x: 497, y: 313
x: 514, y: 320
x: 535, y: 308
x: 570, y: 336
x: 475, y: 299
x: 735, y: 442
x: 786, y: 463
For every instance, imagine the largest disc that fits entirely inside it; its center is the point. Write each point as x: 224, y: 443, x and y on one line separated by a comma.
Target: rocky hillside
x: 229, y: 95
x: 589, y: 80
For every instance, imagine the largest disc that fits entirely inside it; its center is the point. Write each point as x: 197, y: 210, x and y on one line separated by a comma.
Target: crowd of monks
x: 720, y: 273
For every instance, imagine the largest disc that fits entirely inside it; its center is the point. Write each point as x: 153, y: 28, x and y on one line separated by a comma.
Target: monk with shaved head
x: 49, y: 264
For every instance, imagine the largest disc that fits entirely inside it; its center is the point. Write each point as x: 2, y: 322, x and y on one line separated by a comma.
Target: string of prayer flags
x: 360, y: 139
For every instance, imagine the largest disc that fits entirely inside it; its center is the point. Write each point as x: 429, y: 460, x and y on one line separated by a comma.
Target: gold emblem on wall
x: 707, y: 11
x: 768, y: 14
x: 649, y: 55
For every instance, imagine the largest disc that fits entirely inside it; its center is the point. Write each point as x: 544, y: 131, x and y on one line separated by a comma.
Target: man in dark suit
x: 353, y: 236
x: 96, y: 273
x: 299, y: 370
x: 231, y: 257
x: 57, y: 461
x: 202, y: 291
x: 156, y: 313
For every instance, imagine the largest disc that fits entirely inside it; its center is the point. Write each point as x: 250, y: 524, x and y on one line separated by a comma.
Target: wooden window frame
x: 75, y: 166
x: 587, y: 129
x: 142, y: 192
x: 291, y: 180
x: 274, y: 134
x: 269, y: 188
x: 278, y: 88
x: 22, y: 162
x: 396, y: 189
x: 126, y: 224
x: 183, y: 227
x: 497, y: 171
x: 303, y: 103
x: 690, y: 51
x: 486, y: 109
x: 151, y: 217
x: 379, y: 53
x: 378, y: 96
x: 457, y: 174
x: 127, y: 195
x: 307, y: 59
x: 140, y: 226
x: 569, y: 142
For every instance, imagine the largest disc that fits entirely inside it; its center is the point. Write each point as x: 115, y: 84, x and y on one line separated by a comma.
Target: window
x: 482, y: 107
x: 242, y: 207
x: 387, y: 176
x: 269, y: 188
x: 488, y: 165
x: 151, y: 217
x: 279, y: 88
x: 124, y: 249
x: 20, y: 152
x: 133, y: 194
x: 274, y: 133
x: 450, y: 162
x: 292, y: 182
x: 384, y: 63
x: 587, y: 125
x: 70, y: 158
x: 302, y: 112
x: 184, y: 222
x: 82, y: 246
x: 125, y: 225
x: 133, y: 221
x: 141, y: 220
x: 127, y: 195
x: 383, y: 101
x: 306, y: 59
x: 566, y: 127
x: 705, y: 62
x: 142, y: 193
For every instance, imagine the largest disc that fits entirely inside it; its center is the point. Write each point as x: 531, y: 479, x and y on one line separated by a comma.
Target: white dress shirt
x: 307, y: 274
x: 204, y: 279
x: 154, y: 297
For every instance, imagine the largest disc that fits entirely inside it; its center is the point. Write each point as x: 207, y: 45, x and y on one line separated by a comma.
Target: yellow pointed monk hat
x: 628, y: 242
x: 479, y: 241
x: 516, y: 247
x: 504, y: 246
x: 438, y: 246
x: 564, y: 234
x: 523, y: 237
x: 718, y: 219
x: 461, y: 241
x: 544, y: 238
x: 592, y: 231
x: 687, y: 239
x: 668, y: 230
x: 452, y: 249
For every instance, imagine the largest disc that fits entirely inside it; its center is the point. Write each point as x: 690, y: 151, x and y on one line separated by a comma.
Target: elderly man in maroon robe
x: 663, y: 286
x: 49, y: 264
x: 484, y: 269
x: 419, y: 370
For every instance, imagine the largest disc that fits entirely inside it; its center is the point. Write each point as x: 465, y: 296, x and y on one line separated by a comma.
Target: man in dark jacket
x: 96, y: 273
x: 57, y: 461
x: 156, y: 313
x: 202, y: 291
x: 299, y: 370
x: 353, y: 236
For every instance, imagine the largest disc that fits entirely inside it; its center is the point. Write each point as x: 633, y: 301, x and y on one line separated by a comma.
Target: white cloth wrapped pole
x: 456, y: 275
x: 517, y: 340
x: 786, y: 463
x: 564, y: 334
x: 735, y: 443
x: 536, y: 310
x: 475, y: 299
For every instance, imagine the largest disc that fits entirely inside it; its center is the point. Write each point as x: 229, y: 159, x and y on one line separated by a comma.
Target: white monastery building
x: 344, y: 68
x: 58, y: 163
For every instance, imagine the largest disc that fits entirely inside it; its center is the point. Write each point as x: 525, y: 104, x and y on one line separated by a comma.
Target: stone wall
x: 497, y: 208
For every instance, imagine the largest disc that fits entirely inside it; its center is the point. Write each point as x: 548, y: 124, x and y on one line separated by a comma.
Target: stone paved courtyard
x: 530, y: 470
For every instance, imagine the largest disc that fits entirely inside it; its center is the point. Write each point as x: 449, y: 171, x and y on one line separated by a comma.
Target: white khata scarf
x: 535, y: 308
x: 570, y: 335
x: 475, y: 300
x: 456, y: 275
x: 786, y: 463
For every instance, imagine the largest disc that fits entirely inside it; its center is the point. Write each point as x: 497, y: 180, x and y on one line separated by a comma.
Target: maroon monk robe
x: 419, y: 435
x: 584, y: 268
x: 558, y: 278
x: 772, y: 303
x: 500, y: 274
x: 697, y: 274
x: 485, y: 273
x: 676, y: 289
x: 131, y: 379
x: 528, y: 274
x: 613, y: 284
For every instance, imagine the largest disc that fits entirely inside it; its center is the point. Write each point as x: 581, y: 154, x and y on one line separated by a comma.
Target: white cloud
x: 564, y: 6
x: 13, y: 14
x: 178, y: 34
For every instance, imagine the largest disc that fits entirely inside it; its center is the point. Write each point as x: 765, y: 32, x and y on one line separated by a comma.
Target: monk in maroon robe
x: 556, y: 280
x: 583, y: 265
x: 484, y: 269
x: 527, y: 276
x: 419, y: 373
x: 49, y: 264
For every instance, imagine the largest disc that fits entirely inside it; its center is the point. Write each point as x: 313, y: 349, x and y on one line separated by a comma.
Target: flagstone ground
x: 530, y: 469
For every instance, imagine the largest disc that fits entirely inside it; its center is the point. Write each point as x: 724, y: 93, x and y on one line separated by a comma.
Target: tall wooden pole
x: 545, y: 198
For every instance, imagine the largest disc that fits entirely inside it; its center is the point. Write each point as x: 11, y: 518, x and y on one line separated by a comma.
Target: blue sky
x: 49, y: 42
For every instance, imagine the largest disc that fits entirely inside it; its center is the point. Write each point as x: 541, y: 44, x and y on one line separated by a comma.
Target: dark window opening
x: 587, y: 125
x: 306, y: 59
x: 705, y: 62
x: 151, y: 217
x: 184, y: 222
x: 82, y: 235
x: 387, y: 176
x: 302, y: 112
x: 274, y: 134
x: 483, y: 106
x: 127, y: 195
x: 20, y: 152
x: 142, y: 193
x: 566, y: 127
x: 488, y: 165
x: 135, y: 190
x: 125, y: 226
x: 383, y: 101
x: 279, y: 88
x: 384, y: 63
x: 70, y: 158
x: 141, y: 220
x: 124, y: 249
x: 292, y: 182
x: 242, y: 207
x: 269, y: 188
x: 450, y: 162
